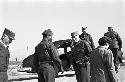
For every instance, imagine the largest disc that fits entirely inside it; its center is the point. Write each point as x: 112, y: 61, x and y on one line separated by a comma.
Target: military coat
x: 102, y: 66
x: 4, y: 57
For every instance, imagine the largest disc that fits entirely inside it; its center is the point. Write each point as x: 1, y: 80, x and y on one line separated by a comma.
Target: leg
x: 77, y: 73
x: 3, y: 77
x: 50, y: 74
x: 83, y: 74
x: 41, y: 75
x: 115, y: 55
x: 88, y: 71
x: 46, y: 73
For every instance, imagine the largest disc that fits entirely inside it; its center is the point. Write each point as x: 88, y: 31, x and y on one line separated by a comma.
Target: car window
x: 68, y: 49
x: 61, y: 51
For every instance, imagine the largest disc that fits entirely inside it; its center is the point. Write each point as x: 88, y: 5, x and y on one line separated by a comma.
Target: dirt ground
x: 66, y: 77
x: 29, y: 77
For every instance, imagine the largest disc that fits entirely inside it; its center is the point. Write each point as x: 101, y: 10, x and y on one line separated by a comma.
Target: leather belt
x: 45, y: 62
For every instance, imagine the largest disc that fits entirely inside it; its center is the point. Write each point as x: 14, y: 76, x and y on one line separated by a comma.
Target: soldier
x: 80, y: 59
x: 6, y: 39
x: 86, y: 36
x: 115, y: 45
x: 44, y: 58
x: 101, y: 63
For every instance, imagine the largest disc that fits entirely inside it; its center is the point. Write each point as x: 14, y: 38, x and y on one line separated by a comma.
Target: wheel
x: 65, y: 62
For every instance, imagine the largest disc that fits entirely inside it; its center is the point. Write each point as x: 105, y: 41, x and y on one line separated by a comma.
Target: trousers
x: 115, y: 55
x: 3, y: 77
x: 81, y: 73
x: 46, y: 73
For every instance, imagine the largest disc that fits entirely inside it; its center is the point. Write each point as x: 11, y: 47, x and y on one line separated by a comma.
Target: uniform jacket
x: 102, y: 66
x: 4, y: 58
x: 117, y: 42
x: 40, y: 50
x: 89, y: 38
x: 80, y: 51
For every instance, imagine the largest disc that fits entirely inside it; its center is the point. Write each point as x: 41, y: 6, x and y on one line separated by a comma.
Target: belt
x: 45, y: 62
x: 81, y: 63
x: 3, y: 71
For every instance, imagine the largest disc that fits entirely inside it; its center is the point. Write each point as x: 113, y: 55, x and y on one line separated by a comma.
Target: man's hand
x: 62, y: 70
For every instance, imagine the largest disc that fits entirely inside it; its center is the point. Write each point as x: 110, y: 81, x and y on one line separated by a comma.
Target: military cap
x: 84, y: 28
x: 9, y: 33
x: 110, y: 27
x: 74, y: 33
x: 47, y: 32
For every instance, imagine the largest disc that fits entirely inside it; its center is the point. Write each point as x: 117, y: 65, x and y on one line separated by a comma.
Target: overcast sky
x: 29, y: 18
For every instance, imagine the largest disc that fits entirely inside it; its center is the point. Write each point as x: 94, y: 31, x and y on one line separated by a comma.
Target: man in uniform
x: 86, y: 36
x: 80, y: 59
x: 6, y: 39
x: 44, y: 58
x: 115, y: 45
x: 101, y: 63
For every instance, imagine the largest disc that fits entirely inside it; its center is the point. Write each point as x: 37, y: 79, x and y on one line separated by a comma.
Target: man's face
x: 83, y: 31
x: 75, y: 38
x: 49, y: 37
x: 107, y: 45
x: 110, y: 29
x: 6, y: 39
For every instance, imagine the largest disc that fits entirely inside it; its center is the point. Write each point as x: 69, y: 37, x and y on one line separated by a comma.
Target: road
x: 66, y: 77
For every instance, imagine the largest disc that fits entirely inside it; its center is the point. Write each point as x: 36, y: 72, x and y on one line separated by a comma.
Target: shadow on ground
x: 21, y: 79
x: 30, y: 78
x: 66, y: 75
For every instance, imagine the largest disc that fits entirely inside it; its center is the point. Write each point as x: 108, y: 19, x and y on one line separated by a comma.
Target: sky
x: 29, y: 18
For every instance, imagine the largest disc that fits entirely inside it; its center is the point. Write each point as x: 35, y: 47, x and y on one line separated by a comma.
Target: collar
x: 3, y: 44
x: 84, y: 33
x: 45, y: 39
x: 102, y: 47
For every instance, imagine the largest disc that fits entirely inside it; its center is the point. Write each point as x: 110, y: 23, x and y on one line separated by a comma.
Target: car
x: 64, y: 48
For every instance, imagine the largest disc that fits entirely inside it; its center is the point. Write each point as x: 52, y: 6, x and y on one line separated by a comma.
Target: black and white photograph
x: 62, y: 40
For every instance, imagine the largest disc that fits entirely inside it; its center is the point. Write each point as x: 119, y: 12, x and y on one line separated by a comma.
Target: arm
x: 105, y: 34
x: 119, y: 41
x: 110, y: 66
x: 92, y: 43
x: 35, y: 60
x: 55, y: 57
